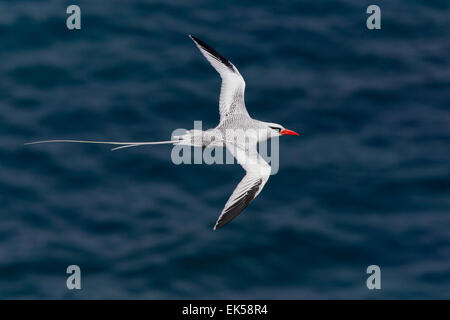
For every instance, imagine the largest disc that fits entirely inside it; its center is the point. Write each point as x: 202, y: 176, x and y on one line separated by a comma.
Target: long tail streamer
x: 121, y: 144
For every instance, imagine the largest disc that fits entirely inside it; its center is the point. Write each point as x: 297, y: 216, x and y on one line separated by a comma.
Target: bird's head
x: 277, y: 130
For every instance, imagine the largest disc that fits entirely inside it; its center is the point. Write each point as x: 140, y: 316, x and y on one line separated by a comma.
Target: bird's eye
x: 276, y: 128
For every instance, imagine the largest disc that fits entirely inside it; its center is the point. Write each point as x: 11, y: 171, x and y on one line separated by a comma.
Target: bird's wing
x: 233, y: 85
x: 258, y: 172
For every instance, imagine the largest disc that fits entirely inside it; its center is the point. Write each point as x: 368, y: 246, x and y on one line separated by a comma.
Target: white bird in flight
x: 237, y: 131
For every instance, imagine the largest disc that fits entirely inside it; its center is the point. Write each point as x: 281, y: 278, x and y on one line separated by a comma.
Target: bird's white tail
x: 121, y: 144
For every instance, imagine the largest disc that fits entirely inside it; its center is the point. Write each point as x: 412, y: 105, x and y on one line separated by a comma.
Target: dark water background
x: 367, y: 182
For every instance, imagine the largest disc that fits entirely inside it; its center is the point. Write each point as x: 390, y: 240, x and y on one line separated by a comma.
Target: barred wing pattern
x: 258, y: 172
x: 233, y: 85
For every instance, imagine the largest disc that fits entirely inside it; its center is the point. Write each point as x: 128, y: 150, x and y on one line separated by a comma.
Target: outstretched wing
x: 233, y: 85
x: 258, y: 172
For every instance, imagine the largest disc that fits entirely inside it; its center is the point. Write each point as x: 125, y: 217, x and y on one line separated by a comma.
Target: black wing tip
x: 198, y: 41
x: 213, y: 52
x: 220, y: 224
x: 238, y: 207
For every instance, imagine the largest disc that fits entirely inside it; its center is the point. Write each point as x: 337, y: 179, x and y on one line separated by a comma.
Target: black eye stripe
x: 275, y: 128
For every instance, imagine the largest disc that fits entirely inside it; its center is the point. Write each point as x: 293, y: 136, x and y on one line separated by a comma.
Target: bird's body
x: 236, y: 131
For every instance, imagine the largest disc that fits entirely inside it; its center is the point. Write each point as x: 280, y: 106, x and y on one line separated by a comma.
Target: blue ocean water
x: 367, y: 182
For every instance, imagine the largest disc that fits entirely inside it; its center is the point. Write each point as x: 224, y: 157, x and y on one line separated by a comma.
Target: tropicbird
x: 236, y: 131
